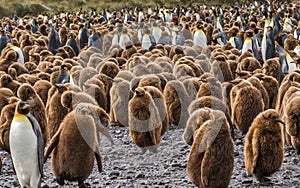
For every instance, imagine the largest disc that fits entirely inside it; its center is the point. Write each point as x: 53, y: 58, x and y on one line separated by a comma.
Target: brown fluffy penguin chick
x: 108, y: 82
x: 37, y: 108
x: 150, y: 80
x: 221, y: 70
x: 110, y: 69
x: 212, y: 144
x: 70, y: 99
x: 264, y: 145
x: 6, y: 117
x: 256, y: 83
x: 210, y: 87
x: 42, y: 88
x: 160, y: 103
x: 292, y: 120
x: 272, y: 68
x: 281, y: 92
x: 249, y: 64
x: 144, y: 121
x: 272, y: 87
x: 96, y: 92
x: 6, y: 81
x: 120, y: 94
x: 196, y: 119
x: 54, y: 109
x: 5, y: 94
x: 246, y: 104
x: 177, y: 101
x: 76, y: 144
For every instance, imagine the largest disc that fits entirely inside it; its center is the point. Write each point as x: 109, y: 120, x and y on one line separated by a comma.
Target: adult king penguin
x: 19, y: 51
x: 4, y: 40
x: 64, y: 76
x: 297, y: 33
x: 26, y: 146
x: 268, y: 44
x: 83, y: 37
x: 95, y: 40
x: 249, y: 44
x: 200, y: 37
x: 287, y: 64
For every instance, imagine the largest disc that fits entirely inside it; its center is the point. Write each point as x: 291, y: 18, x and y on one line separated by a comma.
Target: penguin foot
x: 60, y: 181
x: 112, y: 124
x: 265, y: 181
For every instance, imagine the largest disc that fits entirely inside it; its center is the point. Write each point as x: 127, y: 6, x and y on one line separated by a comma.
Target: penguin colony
x: 65, y: 78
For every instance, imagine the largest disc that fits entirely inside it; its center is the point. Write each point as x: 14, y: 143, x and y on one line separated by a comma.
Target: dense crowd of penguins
x: 208, y: 70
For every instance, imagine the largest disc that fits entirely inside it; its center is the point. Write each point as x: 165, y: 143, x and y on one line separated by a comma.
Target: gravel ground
x: 125, y: 166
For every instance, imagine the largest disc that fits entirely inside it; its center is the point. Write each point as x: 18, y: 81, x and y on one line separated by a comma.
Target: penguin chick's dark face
x: 23, y: 107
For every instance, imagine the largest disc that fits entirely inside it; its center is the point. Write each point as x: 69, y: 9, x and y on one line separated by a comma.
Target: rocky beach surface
x: 126, y: 166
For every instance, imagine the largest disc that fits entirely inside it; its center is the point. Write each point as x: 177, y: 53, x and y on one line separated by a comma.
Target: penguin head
x: 23, y: 108
x: 139, y: 91
x: 269, y: 28
x: 249, y: 33
x: 64, y: 67
x: 272, y: 116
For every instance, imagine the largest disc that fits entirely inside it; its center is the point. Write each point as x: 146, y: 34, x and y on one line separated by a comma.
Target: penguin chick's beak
x: 279, y: 121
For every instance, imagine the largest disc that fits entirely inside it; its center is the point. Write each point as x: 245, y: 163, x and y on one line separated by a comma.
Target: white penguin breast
x: 23, y: 147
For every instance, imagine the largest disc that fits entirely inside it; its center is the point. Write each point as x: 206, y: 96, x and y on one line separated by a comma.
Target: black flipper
x: 40, y: 141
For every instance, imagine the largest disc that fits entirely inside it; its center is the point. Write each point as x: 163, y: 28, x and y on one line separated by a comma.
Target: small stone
x: 236, y: 154
x: 114, y: 173
x: 140, y: 175
x: 247, y: 181
x: 15, y: 183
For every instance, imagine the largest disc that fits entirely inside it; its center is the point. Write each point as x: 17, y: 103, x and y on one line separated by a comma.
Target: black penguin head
x: 269, y: 28
x: 23, y: 107
x: 64, y: 67
x: 249, y: 34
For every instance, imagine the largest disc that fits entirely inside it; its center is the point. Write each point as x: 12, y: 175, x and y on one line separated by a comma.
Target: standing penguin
x: 156, y: 32
x: 83, y: 37
x: 26, y: 147
x: 4, y: 40
x: 144, y: 121
x: 200, y: 37
x: 264, y: 145
x: 124, y: 37
x: 287, y: 64
x: 72, y: 43
x: 210, y: 162
x: 19, y: 51
x: 148, y: 41
x: 297, y: 33
x: 235, y: 40
x: 76, y: 144
x: 95, y: 40
x: 64, y: 76
x: 54, y: 41
x: 268, y: 44
x: 249, y: 44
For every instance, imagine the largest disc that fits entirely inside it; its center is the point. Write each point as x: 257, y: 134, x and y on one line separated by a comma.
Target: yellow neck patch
x: 19, y: 116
